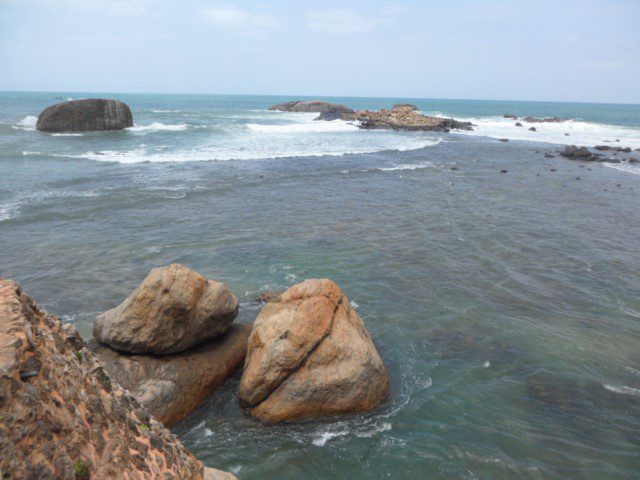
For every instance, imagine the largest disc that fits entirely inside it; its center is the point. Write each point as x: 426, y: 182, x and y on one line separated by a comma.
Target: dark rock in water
x: 518, y: 124
x: 509, y: 115
x: 566, y: 134
x: 268, y: 296
x: 615, y: 149
x: 603, y: 147
x: 552, y: 170
x: 632, y: 160
x: 85, y: 115
x: 336, y: 113
x: 549, y: 155
x: 532, y: 129
x: 310, y: 106
x: 544, y: 120
x: 581, y: 153
x: 504, y: 171
x: 503, y: 139
x: 454, y: 168
x: 577, y: 153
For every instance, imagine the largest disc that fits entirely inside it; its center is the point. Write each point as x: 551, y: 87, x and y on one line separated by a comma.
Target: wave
x: 159, y: 127
x: 574, y: 132
x: 27, y: 123
x: 624, y: 390
x: 67, y: 134
x: 625, y: 167
x: 307, y: 127
x: 142, y: 154
x: 165, y: 111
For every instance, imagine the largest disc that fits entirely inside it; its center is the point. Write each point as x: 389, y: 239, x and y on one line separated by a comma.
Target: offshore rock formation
x: 310, y: 355
x: 170, y: 387
x: 61, y: 416
x: 406, y: 117
x: 172, y: 310
x: 85, y: 115
x: 311, y: 106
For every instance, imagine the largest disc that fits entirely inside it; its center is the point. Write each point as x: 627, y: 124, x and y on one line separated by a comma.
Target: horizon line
x: 322, y: 96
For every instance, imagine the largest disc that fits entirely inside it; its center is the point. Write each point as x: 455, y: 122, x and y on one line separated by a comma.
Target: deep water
x: 506, y: 305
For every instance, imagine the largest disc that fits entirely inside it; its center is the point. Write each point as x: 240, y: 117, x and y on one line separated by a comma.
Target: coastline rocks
x: 578, y: 153
x: 406, y: 117
x: 85, y: 115
x: 518, y: 124
x: 532, y: 129
x: 511, y: 116
x: 172, y: 310
x: 311, y: 106
x: 61, y: 415
x: 268, y: 296
x: 170, y: 387
x: 310, y: 355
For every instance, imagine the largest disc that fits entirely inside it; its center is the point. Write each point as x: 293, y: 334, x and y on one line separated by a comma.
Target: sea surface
x: 506, y: 305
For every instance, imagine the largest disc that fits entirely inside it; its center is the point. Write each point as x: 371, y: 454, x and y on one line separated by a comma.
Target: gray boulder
x: 85, y: 115
x: 311, y: 106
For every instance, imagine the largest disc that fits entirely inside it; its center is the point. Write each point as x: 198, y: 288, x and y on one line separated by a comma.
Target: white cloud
x: 232, y: 17
x: 342, y: 21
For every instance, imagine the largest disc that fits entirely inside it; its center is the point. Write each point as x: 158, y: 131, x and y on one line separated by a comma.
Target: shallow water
x: 506, y: 306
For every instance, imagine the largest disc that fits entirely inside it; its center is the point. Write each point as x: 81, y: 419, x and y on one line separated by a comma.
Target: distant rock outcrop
x: 407, y: 117
x: 316, y: 106
x: 310, y: 355
x: 85, y: 115
x: 170, y: 387
x: 544, y: 120
x: 62, y: 417
x: 173, y: 310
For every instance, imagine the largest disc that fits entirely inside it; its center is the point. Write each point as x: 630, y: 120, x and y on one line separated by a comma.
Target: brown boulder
x: 309, y: 355
x: 172, y: 310
x: 406, y: 117
x: 91, y: 114
x: 61, y: 415
x: 170, y: 387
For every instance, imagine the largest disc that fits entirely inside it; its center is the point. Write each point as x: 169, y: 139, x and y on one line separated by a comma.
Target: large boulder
x: 85, y: 115
x: 173, y: 310
x: 170, y: 387
x: 309, y: 355
x: 316, y: 106
x: 62, y: 417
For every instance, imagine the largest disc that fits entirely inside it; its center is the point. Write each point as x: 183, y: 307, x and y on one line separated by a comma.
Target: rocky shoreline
x: 70, y: 410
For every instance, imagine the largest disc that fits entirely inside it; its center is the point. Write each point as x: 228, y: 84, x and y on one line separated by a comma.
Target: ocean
x: 505, y: 305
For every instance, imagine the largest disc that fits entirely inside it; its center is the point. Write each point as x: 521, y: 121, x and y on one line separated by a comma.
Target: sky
x: 562, y: 50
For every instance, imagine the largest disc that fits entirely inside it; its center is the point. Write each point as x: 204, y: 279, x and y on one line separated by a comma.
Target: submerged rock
x: 544, y: 120
x: 85, y: 115
x: 310, y: 355
x: 173, y: 310
x: 268, y: 296
x: 70, y: 420
x: 511, y: 116
x: 170, y: 387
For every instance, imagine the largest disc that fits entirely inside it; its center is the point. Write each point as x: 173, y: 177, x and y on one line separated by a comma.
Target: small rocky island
x: 400, y: 117
x: 87, y: 115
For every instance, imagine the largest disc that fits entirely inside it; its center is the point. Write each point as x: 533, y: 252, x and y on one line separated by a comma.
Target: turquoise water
x: 506, y: 305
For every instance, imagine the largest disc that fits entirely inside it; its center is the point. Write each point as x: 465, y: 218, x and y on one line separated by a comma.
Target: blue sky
x: 498, y: 49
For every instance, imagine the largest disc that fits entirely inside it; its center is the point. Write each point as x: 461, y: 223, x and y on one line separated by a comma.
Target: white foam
x: 324, y: 437
x: 67, y: 134
x: 306, y: 127
x: 624, y: 390
x: 8, y: 211
x: 27, y: 123
x: 625, y: 167
x: 165, y: 111
x: 406, y: 166
x: 159, y: 127
x: 581, y: 133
